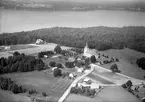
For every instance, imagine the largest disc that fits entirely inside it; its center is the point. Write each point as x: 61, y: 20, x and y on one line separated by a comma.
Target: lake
x: 15, y: 21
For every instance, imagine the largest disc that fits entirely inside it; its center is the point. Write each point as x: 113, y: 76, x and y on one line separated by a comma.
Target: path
x: 63, y: 97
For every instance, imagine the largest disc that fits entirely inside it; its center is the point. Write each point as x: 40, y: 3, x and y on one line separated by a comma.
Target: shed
x: 54, y: 68
x: 95, y: 86
x: 80, y: 70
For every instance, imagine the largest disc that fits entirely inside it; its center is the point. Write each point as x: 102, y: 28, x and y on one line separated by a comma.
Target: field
x: 99, y: 79
x: 127, y: 61
x: 41, y: 81
x: 17, y: 47
x: 6, y: 96
x: 32, y: 50
x: 108, y: 94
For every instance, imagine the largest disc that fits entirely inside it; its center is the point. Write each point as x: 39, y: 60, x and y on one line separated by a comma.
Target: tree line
x: 8, y: 84
x: 101, y: 38
x: 20, y: 63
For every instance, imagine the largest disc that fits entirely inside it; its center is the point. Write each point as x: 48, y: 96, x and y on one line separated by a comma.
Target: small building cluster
x: 40, y: 41
x: 87, y: 82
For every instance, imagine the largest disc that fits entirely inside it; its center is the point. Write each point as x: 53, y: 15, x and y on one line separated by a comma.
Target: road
x: 63, y: 97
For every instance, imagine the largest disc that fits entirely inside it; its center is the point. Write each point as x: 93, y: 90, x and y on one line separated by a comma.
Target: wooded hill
x: 101, y: 38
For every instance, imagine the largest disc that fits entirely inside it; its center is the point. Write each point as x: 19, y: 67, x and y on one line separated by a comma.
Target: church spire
x: 87, y: 44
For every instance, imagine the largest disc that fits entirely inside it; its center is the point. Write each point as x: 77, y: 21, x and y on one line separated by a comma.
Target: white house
x: 89, y: 52
x: 92, y: 85
x: 71, y: 75
x: 7, y: 48
x: 45, y: 56
x: 39, y: 41
x: 86, y: 79
x: 80, y: 70
x: 86, y: 71
x: 95, y: 86
x: 54, y: 68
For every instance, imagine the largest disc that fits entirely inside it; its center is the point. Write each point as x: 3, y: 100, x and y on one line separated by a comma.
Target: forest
x: 20, y: 63
x: 100, y: 38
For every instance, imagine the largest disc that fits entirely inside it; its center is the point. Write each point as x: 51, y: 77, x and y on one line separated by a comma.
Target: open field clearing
x: 17, y: 47
x: 5, y: 54
x: 24, y: 46
x: 127, y: 62
x: 114, y: 77
x: 116, y: 94
x: 79, y: 98
x: 35, y: 49
x: 108, y: 94
x: 6, y: 96
x: 42, y: 82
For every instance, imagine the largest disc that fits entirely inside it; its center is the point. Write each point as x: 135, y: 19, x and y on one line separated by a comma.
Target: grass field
x: 21, y: 46
x: 31, y: 50
x: 99, y: 79
x: 17, y: 47
x: 6, y: 96
x: 42, y: 82
x: 127, y: 62
x: 108, y: 94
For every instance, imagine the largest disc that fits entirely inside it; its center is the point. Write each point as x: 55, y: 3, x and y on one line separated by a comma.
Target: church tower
x: 86, y: 48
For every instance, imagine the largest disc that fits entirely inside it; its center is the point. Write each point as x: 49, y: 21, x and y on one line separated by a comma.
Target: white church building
x: 89, y: 52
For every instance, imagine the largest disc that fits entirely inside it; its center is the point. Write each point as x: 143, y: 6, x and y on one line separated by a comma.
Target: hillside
x: 127, y: 61
x: 101, y: 38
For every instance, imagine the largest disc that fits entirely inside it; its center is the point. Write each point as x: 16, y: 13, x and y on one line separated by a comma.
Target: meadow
x: 127, y: 61
x: 43, y: 81
x: 108, y: 94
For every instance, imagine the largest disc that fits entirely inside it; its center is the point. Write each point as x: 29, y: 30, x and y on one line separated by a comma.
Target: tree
x: 52, y: 64
x: 87, y: 62
x: 114, y: 68
x: 59, y: 65
x: 16, y: 53
x: 44, y: 94
x: 57, y: 72
x: 69, y: 64
x: 93, y: 59
x: 141, y: 63
x: 57, y: 49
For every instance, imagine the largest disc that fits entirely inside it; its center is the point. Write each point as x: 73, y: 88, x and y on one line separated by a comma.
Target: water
x: 14, y: 21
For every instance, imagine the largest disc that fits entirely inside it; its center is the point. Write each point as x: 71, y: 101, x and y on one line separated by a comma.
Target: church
x: 89, y: 52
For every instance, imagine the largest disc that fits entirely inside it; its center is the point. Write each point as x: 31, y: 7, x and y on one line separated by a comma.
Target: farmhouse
x: 89, y: 52
x: 80, y: 70
x: 54, y: 68
x: 7, y: 48
x: 39, y: 41
x: 71, y: 75
x: 91, y: 85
